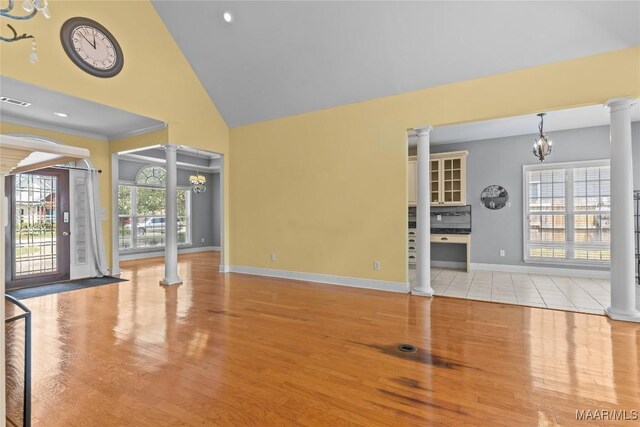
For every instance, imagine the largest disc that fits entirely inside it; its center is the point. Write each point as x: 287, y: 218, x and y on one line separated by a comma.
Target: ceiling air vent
x: 14, y: 101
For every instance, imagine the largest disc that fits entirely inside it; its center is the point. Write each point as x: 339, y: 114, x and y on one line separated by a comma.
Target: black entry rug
x: 55, y: 288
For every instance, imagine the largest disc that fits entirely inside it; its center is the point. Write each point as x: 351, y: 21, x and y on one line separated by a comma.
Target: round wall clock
x: 91, y: 47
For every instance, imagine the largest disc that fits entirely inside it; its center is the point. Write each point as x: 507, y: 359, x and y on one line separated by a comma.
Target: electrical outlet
x: 203, y: 240
x: 273, y: 256
x: 502, y: 252
x: 438, y: 217
x: 376, y: 265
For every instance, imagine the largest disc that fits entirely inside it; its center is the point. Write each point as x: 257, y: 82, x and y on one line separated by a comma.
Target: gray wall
x: 205, y: 207
x: 500, y: 161
x: 635, y: 137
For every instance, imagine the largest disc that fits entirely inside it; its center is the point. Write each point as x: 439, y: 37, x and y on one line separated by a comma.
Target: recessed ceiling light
x: 61, y: 114
x: 227, y: 16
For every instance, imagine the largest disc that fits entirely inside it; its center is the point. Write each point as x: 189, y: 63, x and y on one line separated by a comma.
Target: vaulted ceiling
x: 283, y: 58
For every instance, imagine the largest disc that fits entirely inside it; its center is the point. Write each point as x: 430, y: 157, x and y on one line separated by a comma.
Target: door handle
x: 65, y: 233
x: 444, y: 238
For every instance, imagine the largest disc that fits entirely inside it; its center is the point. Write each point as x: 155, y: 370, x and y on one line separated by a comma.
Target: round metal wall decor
x: 494, y: 197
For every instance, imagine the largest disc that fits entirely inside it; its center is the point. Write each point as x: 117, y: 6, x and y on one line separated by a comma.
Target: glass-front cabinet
x: 447, y: 178
x: 435, y: 181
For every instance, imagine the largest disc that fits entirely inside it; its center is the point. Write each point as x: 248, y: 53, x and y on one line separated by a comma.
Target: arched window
x: 142, y: 210
x: 152, y: 175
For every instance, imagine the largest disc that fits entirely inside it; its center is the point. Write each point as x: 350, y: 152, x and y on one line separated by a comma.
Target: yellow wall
x: 156, y: 80
x: 326, y: 190
x: 150, y: 139
x: 99, y: 158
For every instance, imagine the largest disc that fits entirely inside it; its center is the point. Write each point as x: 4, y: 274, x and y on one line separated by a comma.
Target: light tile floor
x: 581, y: 294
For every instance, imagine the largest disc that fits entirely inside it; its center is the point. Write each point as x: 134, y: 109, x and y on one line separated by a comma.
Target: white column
x: 623, y: 286
x: 170, y: 220
x: 115, y: 243
x: 423, y: 217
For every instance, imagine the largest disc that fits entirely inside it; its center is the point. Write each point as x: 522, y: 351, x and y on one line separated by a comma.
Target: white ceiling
x: 283, y: 58
x: 85, y: 117
x: 574, y: 118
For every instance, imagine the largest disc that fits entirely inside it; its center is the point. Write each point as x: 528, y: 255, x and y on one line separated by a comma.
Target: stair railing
x: 26, y: 315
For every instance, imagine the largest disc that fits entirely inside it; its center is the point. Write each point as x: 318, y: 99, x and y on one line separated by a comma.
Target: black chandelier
x: 543, y: 145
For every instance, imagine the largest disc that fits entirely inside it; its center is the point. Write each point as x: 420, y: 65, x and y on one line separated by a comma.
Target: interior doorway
x: 37, y: 239
x: 539, y: 233
x: 139, y: 231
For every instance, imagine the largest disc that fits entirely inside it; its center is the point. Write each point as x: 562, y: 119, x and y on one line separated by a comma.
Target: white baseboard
x: 599, y: 274
x: 223, y: 268
x: 155, y: 254
x: 356, y: 282
x: 449, y: 264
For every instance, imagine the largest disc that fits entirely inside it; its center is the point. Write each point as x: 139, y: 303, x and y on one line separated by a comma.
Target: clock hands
x: 93, y: 45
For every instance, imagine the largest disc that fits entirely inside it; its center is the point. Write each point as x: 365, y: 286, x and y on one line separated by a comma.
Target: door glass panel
x: 35, y: 225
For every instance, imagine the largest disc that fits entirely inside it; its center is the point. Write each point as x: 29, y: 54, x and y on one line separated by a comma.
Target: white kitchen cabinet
x: 448, y: 176
x: 412, y: 188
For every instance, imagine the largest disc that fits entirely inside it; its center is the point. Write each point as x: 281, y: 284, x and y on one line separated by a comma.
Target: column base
x: 627, y: 317
x: 172, y: 281
x: 223, y: 268
x: 422, y: 292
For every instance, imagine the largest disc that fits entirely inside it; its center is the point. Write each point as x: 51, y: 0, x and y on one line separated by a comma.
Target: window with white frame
x: 141, y: 211
x: 567, y: 208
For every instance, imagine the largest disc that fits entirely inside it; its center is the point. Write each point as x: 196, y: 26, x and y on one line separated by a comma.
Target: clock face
x: 91, y: 47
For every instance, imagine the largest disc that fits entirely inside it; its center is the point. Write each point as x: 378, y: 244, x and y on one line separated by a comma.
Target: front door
x: 37, y: 236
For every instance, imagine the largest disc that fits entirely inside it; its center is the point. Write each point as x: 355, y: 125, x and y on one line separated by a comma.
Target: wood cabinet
x: 412, y: 187
x: 412, y: 245
x: 448, y: 176
x: 463, y: 239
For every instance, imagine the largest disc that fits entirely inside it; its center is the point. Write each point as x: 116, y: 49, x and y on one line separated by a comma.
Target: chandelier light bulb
x: 45, y: 12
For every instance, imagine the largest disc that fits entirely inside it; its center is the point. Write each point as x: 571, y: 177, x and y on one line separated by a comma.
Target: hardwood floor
x: 244, y: 350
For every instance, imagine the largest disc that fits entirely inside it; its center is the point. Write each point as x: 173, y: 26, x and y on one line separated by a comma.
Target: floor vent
x: 407, y: 348
x: 14, y: 101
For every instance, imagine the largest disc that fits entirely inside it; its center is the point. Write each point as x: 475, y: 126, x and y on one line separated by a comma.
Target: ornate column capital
x: 423, y: 130
x: 622, y: 103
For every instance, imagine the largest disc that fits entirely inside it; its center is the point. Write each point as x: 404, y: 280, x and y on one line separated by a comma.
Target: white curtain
x: 97, y: 238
